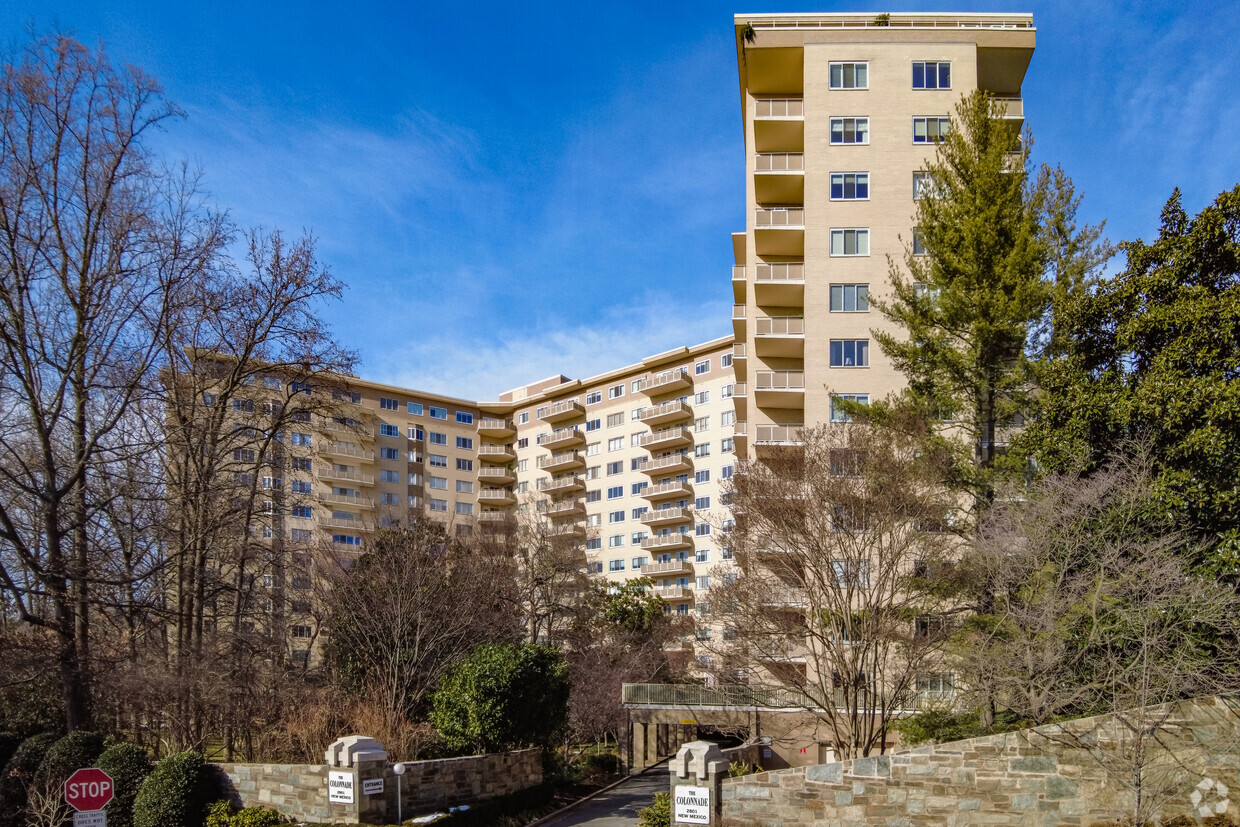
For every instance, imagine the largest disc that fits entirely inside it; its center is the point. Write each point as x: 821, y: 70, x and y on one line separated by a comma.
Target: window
x: 635, y: 440
x: 701, y: 397
x: 272, y: 383
x: 701, y: 367
x: 727, y: 418
x: 347, y: 539
x: 246, y: 405
x: 464, y: 487
x: 439, y: 413
x: 919, y: 246
x: 727, y: 392
x: 637, y: 513
x: 303, y: 631
x: 930, y: 130
x: 388, y: 404
x: 937, y: 684
x: 725, y: 553
x: 523, y: 442
x: 414, y: 455
x: 923, y: 186
x: 636, y: 539
x: 725, y: 361
x: 636, y: 414
x: 850, y: 298
x: 465, y: 508
x: 388, y: 498
x: 850, y: 186
x: 523, y: 465
x: 615, y: 419
x: 837, y: 411
x: 592, y: 473
x: 850, y: 353
x: 302, y: 511
x: 702, y: 450
x: 615, y: 391
x: 594, y: 568
x: 416, y: 434
x: 726, y: 444
x: 850, y: 242
x: 615, y: 540
x: 464, y: 465
x: 389, y: 453
x: 593, y: 424
x: 301, y: 535
x: 615, y: 565
x: 301, y: 487
x: 438, y: 438
x: 615, y: 492
x: 301, y: 464
x: 850, y: 75
x: 246, y: 455
x: 701, y: 529
x: 702, y: 555
x: 725, y: 473
x: 414, y: 408
x: 594, y: 397
x: 701, y: 503
x: 415, y: 478
x: 593, y: 496
x: 851, y: 573
x: 845, y: 462
x: 301, y: 439
x: 523, y: 418
x: 850, y: 130
x: 592, y: 449
x: 616, y: 467
x: 930, y: 74
x: 464, y: 418
x: 616, y: 516
x: 389, y: 430
x: 439, y: 460
x: 702, y: 423
x: 637, y: 463
x: 615, y: 443
x: 638, y: 562
x: 389, y: 476
x: 465, y: 443
x: 703, y: 581
x: 593, y: 520
x: 701, y: 477
x: 304, y: 387
x: 437, y: 505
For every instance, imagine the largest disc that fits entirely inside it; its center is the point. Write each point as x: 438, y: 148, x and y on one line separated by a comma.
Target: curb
x: 547, y: 818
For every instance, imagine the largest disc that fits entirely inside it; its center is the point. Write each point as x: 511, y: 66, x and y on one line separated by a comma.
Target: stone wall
x: 1050, y: 775
x: 300, y: 790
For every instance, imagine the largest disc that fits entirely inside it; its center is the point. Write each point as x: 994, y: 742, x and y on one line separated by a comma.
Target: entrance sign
x: 340, y: 787
x: 691, y: 805
x: 372, y: 786
x: 91, y: 818
x: 89, y: 789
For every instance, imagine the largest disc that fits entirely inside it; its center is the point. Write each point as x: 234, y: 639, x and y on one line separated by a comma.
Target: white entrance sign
x: 340, y: 787
x: 372, y: 786
x: 691, y: 805
x: 90, y: 818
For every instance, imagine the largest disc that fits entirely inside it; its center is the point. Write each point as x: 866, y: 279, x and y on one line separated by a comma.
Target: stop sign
x: 88, y: 789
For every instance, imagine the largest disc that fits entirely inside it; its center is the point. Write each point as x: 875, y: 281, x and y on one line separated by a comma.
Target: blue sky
x: 512, y: 190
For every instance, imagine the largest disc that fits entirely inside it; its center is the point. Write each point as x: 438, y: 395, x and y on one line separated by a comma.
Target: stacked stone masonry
x: 1049, y: 775
x: 300, y: 790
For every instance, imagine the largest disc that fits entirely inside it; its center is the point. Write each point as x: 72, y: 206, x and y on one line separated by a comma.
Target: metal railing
x: 664, y: 435
x: 779, y: 108
x: 666, y: 377
x: 559, y: 484
x: 489, y: 424
x: 780, y: 380
x: 906, y: 20
x: 562, y: 458
x: 665, y: 462
x: 668, y: 489
x: 673, y: 592
x: 667, y: 540
x: 663, y: 408
x: 660, y: 515
x: 780, y: 434
x: 494, y: 451
x: 780, y: 217
x: 672, y: 567
x: 779, y: 326
x: 782, y: 271
x: 779, y: 162
x: 738, y: 696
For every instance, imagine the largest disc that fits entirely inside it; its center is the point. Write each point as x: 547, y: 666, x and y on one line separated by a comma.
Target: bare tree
x: 840, y: 543
x: 95, y: 241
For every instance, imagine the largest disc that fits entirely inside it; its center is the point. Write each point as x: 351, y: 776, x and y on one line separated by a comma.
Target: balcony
x: 567, y: 531
x: 669, y: 542
x: 666, y: 382
x: 780, y: 283
x: 770, y: 439
x: 671, y: 569
x: 565, y: 508
x: 779, y: 231
x: 561, y: 485
x: 347, y: 449
x: 561, y: 411
x: 497, y: 496
x: 496, y: 428
x: 673, y: 594
x: 779, y: 124
x: 667, y: 491
x: 780, y: 389
x: 738, y: 285
x: 740, y: 360
x: 562, y: 438
x: 566, y: 461
x: 353, y: 500
x: 666, y: 413
x: 497, y: 453
x: 1011, y: 110
x: 739, y: 320
x: 669, y: 466
x: 358, y: 429
x: 327, y: 473
x: 667, y: 439
x: 498, y: 474
x: 667, y: 516
x: 779, y: 178
x: 740, y: 398
x: 328, y: 521
x: 779, y: 337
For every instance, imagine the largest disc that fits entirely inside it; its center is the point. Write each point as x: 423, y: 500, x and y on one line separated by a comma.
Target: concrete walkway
x: 618, y: 806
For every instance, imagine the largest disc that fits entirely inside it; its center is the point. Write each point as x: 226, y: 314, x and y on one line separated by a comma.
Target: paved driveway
x: 618, y: 806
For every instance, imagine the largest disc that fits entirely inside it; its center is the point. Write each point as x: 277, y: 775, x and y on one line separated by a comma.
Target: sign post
x: 88, y: 791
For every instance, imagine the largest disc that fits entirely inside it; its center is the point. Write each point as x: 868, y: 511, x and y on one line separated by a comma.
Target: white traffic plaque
x: 340, y: 787
x: 691, y: 805
x: 90, y: 818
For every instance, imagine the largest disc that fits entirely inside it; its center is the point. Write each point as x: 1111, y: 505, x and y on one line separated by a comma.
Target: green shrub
x: 176, y: 793
x: 70, y: 753
x: 128, y: 766
x: 220, y: 814
x: 19, y: 773
x: 258, y: 817
x: 658, y: 814
x: 605, y: 763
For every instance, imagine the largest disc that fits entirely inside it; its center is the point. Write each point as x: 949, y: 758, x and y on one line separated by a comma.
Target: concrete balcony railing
x: 666, y: 381
x: 328, y: 521
x: 669, y: 569
x: 667, y: 516
x: 561, y: 411
x: 740, y: 390
x: 496, y: 474
x: 781, y: 271
x: 561, y: 485
x: 666, y: 412
x: 496, y: 428
x: 779, y: 162
x: 562, y: 461
x: 354, y: 500
x: 666, y: 438
x: 349, y: 476
x: 667, y: 491
x: 791, y: 217
x: 779, y: 326
x: 779, y: 380
x: 669, y: 465
x: 496, y: 496
x: 779, y: 434
x: 673, y: 593
x: 779, y: 108
x: 1009, y: 108
x: 496, y: 453
x: 347, y: 449
x: 565, y: 508
x: 562, y: 438
x: 669, y: 542
x: 739, y: 351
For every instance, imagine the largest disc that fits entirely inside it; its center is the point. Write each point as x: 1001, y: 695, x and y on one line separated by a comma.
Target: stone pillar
x: 697, y: 774
x: 637, y: 743
x: 355, y: 759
